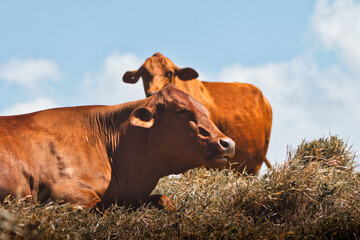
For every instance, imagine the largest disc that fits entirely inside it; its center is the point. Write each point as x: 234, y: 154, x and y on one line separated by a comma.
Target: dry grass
x: 315, y: 194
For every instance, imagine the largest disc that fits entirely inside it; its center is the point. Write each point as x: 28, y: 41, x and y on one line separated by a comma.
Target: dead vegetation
x: 315, y: 194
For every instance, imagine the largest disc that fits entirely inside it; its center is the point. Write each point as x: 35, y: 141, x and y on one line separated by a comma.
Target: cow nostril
x: 227, y: 143
x: 229, y: 146
x: 224, y: 143
x: 203, y: 132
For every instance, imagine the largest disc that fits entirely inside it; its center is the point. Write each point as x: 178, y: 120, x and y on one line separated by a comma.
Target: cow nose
x: 229, y: 145
x: 150, y: 93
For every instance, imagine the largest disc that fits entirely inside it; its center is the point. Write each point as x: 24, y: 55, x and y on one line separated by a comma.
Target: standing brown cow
x: 238, y: 109
x: 108, y: 154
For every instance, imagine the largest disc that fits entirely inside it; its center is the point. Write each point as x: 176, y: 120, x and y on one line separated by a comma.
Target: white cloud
x: 28, y: 72
x: 30, y: 106
x: 308, y: 99
x: 336, y: 24
x: 307, y: 102
x: 107, y: 86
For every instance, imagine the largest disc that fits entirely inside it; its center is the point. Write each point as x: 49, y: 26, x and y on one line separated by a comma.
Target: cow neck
x: 126, y: 146
x: 116, y: 133
x: 199, y: 92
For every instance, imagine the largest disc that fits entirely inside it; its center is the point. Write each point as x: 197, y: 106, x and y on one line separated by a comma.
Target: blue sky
x: 304, y: 56
x: 246, y: 31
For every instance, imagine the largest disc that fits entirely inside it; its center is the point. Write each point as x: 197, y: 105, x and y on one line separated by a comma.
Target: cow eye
x: 169, y: 74
x: 179, y: 110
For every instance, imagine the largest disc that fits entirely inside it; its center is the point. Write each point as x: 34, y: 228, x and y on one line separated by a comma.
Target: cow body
x: 107, y: 154
x: 238, y: 109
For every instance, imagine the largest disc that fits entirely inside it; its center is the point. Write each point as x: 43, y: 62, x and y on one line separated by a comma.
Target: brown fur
x: 238, y: 109
x: 107, y: 154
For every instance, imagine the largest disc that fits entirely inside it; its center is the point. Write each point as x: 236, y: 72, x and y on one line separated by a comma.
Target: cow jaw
x: 226, y: 150
x: 217, y: 162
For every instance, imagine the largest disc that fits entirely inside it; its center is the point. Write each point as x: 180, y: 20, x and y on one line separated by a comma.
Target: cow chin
x: 217, y: 162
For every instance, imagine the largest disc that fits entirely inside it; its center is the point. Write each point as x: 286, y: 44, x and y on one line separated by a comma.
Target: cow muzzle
x: 228, y: 147
x: 225, y: 151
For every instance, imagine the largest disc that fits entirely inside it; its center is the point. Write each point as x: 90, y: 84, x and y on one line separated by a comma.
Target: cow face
x: 180, y: 132
x: 156, y: 72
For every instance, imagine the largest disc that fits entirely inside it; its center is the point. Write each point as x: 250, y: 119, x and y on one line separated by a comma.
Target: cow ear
x: 142, y: 117
x: 131, y: 76
x: 186, y: 74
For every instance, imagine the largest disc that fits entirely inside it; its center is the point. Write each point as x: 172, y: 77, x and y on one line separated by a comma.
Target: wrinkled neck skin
x: 133, y: 174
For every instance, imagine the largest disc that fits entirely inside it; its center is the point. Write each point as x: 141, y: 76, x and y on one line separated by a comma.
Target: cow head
x: 181, y: 134
x: 156, y: 72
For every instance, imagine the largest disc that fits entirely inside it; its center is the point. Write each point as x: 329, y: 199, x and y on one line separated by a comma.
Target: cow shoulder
x: 237, y: 102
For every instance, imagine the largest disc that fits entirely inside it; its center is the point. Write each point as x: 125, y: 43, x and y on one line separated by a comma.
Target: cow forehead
x: 158, y: 64
x: 173, y: 96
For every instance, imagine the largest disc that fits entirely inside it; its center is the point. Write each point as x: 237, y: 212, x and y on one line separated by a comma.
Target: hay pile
x: 315, y: 194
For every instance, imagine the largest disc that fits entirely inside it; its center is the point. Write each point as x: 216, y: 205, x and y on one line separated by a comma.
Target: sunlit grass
x: 315, y: 194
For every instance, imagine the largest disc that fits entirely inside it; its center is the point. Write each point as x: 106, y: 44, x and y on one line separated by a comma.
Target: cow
x: 102, y: 155
x: 239, y: 110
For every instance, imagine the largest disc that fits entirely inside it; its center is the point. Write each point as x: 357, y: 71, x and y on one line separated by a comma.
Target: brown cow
x: 239, y: 110
x: 108, y: 154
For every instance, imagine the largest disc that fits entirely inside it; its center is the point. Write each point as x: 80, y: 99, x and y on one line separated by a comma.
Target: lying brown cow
x: 107, y: 154
x: 239, y: 110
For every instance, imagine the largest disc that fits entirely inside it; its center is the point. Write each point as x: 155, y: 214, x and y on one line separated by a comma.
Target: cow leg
x: 268, y: 164
x: 13, y: 183
x: 22, y: 191
x: 160, y: 202
x: 85, y: 197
